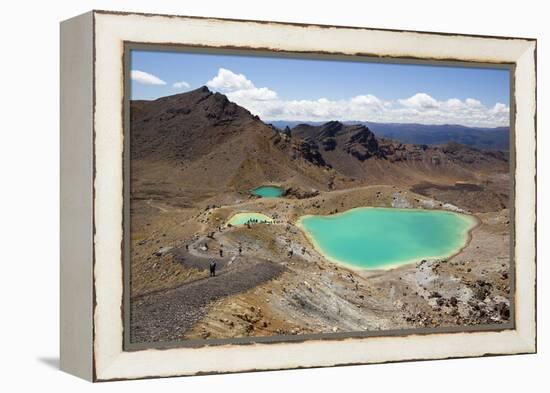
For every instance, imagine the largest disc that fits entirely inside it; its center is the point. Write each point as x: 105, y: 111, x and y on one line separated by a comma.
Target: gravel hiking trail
x: 167, y: 315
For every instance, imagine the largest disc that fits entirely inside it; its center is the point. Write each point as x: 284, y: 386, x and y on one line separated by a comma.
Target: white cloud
x: 368, y: 100
x: 473, y: 102
x: 419, y: 101
x: 500, y: 108
x: 454, y: 103
x: 146, y: 78
x: 227, y: 80
x: 239, y: 89
x: 183, y: 85
x: 419, y: 108
x: 255, y: 94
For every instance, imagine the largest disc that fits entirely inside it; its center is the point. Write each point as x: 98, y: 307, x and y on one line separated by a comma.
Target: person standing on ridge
x: 212, y: 268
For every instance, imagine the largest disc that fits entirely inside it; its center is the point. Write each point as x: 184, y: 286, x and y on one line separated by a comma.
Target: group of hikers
x: 213, y: 263
x: 254, y: 221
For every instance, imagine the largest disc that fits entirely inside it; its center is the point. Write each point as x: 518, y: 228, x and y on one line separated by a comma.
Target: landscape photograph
x: 279, y: 197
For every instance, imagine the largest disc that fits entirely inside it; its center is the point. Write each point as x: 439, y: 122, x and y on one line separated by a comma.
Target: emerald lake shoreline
x: 472, y: 223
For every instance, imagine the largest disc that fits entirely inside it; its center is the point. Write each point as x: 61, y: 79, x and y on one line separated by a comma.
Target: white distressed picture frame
x: 92, y: 141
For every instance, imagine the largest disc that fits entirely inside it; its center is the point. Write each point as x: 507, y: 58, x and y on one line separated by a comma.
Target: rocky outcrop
x: 362, y: 144
x: 310, y: 152
x: 298, y: 193
x: 329, y: 144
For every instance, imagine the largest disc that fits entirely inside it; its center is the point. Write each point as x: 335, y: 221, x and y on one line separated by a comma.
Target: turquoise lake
x: 380, y: 238
x: 268, y: 191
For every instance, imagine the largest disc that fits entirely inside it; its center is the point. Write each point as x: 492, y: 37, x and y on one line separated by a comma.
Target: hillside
x: 199, y: 144
x: 356, y: 152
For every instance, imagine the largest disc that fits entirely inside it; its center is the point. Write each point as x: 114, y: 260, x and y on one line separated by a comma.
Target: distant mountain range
x: 497, y: 138
x: 356, y: 151
x: 195, y: 145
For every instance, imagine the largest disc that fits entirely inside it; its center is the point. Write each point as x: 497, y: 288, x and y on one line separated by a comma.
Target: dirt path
x: 167, y: 315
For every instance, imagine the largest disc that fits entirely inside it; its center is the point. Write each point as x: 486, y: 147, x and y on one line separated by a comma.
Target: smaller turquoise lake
x: 268, y: 191
x: 381, y: 238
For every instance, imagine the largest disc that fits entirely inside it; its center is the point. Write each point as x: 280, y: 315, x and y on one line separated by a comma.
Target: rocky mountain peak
x: 204, y: 89
x: 362, y: 143
x: 330, y: 129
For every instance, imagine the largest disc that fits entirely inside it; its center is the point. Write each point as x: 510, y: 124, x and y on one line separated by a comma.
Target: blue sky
x: 317, y: 90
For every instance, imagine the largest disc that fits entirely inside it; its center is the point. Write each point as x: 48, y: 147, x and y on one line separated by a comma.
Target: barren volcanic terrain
x: 196, y: 156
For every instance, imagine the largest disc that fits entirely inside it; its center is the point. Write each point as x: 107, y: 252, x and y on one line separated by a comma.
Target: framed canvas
x: 248, y: 195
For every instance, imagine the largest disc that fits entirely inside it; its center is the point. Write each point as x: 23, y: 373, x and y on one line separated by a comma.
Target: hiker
x: 221, y: 250
x: 240, y: 249
x: 212, y: 268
